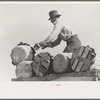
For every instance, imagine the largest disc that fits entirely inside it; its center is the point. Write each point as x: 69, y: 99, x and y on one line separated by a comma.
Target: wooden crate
x: 81, y: 59
x: 41, y: 63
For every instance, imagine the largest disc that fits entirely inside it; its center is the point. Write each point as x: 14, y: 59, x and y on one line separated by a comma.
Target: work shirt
x: 59, y: 32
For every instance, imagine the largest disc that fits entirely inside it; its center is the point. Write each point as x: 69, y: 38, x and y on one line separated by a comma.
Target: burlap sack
x: 21, y: 53
x: 61, y: 63
x: 24, y: 70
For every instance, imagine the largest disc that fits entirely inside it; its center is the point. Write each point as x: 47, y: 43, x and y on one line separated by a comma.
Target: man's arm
x: 56, y: 31
x: 53, y: 44
x: 54, y: 34
x: 56, y: 42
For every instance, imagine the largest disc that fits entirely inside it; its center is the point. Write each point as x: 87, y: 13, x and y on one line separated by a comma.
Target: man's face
x: 54, y: 19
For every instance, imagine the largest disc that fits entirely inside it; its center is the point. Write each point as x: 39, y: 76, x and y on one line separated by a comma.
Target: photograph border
x: 48, y: 85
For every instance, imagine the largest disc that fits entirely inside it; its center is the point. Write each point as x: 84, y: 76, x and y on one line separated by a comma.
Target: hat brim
x: 54, y: 17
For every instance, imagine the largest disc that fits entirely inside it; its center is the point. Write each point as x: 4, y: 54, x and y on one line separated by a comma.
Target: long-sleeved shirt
x: 60, y: 32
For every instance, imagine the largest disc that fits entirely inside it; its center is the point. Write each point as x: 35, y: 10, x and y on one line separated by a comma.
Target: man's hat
x: 53, y: 14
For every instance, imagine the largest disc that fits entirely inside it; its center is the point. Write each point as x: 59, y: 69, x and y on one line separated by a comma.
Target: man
x: 60, y: 32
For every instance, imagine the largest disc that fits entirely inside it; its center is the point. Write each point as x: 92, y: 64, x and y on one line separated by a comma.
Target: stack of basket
x: 28, y: 65
x: 22, y: 57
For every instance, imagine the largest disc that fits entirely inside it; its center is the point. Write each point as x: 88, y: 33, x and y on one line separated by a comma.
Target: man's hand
x: 43, y: 46
x: 47, y: 45
x: 37, y: 46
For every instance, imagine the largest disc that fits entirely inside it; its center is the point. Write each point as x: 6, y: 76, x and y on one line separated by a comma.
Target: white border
x: 44, y: 2
x: 42, y: 90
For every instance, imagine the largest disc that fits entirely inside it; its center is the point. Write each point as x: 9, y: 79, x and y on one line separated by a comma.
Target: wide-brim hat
x: 53, y: 14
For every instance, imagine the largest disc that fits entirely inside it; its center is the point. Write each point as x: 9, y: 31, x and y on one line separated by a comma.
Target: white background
x: 28, y: 22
